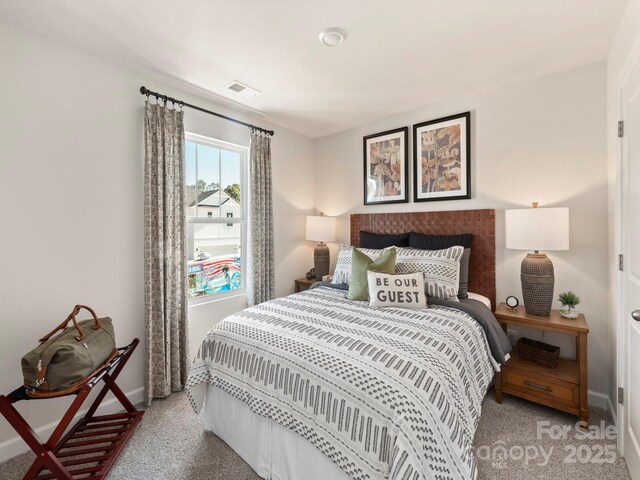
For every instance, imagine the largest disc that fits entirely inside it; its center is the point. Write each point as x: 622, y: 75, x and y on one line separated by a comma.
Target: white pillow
x: 441, y: 269
x: 342, y: 273
x: 480, y: 298
x: 399, y: 291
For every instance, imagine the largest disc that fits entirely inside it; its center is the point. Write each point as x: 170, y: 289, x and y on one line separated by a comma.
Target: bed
x: 316, y: 386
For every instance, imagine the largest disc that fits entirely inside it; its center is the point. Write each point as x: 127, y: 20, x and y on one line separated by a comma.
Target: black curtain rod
x: 165, y: 98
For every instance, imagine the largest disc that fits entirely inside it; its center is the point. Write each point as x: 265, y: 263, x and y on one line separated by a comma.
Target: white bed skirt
x: 273, y: 451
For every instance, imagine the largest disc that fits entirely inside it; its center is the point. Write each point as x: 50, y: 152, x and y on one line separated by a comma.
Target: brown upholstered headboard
x: 481, y: 223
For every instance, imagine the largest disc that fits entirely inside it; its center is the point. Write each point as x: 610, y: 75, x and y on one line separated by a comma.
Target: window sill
x: 196, y: 302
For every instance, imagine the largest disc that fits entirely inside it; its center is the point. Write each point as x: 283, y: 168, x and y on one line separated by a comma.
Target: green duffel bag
x: 66, y: 360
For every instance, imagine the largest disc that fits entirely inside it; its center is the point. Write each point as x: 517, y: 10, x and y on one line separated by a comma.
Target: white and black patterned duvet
x: 384, y: 393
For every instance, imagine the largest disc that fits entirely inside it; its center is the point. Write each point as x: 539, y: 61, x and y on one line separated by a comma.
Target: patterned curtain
x: 165, y: 296
x: 261, y: 282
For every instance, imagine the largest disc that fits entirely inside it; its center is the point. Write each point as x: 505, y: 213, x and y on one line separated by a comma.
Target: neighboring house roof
x: 207, y: 199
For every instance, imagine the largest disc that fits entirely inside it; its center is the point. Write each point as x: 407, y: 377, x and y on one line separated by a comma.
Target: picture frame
x: 442, y: 159
x: 386, y: 167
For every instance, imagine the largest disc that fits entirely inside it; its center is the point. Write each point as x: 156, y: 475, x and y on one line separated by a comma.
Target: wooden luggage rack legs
x: 89, y: 449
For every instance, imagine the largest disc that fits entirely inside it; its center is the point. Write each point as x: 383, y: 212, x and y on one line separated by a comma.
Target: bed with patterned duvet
x: 383, y: 393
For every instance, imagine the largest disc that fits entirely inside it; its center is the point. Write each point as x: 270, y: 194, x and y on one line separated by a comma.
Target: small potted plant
x: 569, y: 300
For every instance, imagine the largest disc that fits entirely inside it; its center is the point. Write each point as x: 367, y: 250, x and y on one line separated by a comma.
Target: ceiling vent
x: 239, y: 88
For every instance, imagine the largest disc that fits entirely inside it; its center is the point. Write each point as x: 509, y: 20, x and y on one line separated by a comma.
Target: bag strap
x: 72, y: 317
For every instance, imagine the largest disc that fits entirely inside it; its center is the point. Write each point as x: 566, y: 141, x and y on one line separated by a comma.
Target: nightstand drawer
x: 543, y: 387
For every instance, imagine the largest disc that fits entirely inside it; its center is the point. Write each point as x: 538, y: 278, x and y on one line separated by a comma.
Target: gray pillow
x: 463, y: 287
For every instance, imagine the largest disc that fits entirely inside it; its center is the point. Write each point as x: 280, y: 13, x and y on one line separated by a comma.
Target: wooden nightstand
x: 564, y: 387
x: 303, y: 284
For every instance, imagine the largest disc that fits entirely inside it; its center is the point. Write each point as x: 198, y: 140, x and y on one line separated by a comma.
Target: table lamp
x: 537, y: 229
x: 321, y: 229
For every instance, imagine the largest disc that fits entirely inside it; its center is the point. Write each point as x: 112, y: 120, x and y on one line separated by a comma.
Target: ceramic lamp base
x: 538, y: 279
x: 321, y: 258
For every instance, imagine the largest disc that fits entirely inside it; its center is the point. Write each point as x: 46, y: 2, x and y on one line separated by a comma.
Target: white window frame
x: 244, y: 182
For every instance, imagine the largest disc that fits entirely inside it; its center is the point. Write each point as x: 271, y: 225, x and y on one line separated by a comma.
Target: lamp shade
x: 321, y: 229
x: 537, y: 228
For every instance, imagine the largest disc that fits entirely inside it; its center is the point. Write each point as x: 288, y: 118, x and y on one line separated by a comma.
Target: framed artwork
x: 386, y: 167
x: 442, y: 159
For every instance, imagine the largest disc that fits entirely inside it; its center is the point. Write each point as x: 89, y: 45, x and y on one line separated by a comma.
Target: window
x: 216, y: 216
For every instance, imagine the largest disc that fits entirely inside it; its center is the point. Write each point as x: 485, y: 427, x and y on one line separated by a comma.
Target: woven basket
x: 538, y: 352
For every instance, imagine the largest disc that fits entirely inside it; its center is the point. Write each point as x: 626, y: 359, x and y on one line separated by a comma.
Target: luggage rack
x: 93, y: 444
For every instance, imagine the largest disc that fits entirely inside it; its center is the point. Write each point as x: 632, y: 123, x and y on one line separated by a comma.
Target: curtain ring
x: 181, y: 104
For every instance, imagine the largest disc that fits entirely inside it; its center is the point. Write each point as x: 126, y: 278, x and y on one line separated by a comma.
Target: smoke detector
x: 242, y: 89
x: 332, y: 37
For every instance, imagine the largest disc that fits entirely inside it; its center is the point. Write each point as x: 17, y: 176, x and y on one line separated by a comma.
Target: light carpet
x: 510, y: 444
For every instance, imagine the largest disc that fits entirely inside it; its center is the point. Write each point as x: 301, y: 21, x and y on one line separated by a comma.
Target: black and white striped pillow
x: 441, y: 269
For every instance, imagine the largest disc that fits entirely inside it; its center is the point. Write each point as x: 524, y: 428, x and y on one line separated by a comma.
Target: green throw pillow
x: 361, y: 264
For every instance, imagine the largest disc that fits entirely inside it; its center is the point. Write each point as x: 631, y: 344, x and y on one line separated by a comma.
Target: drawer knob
x: 534, y: 385
x: 636, y: 315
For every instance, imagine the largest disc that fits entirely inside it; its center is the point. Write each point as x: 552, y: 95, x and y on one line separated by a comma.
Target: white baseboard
x: 601, y: 400
x: 16, y: 446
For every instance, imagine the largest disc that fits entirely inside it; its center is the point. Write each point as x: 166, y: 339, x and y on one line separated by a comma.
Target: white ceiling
x: 399, y: 54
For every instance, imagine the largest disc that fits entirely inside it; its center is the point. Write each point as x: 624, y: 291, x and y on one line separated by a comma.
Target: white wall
x: 542, y: 140
x: 71, y: 133
x: 71, y: 130
x: 627, y: 40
